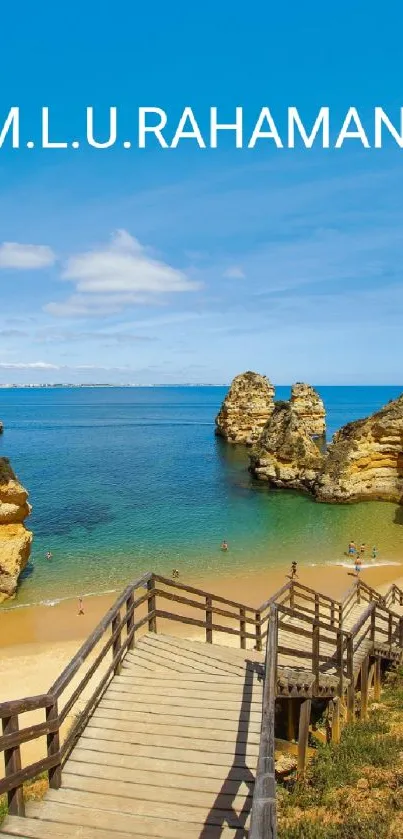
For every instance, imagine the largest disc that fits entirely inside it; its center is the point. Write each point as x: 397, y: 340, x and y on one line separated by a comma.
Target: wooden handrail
x: 263, y: 816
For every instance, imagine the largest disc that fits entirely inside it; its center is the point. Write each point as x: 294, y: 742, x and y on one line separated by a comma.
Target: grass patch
x: 353, y: 790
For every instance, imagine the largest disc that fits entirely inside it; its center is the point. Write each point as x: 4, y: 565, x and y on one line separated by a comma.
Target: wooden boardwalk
x: 172, y: 744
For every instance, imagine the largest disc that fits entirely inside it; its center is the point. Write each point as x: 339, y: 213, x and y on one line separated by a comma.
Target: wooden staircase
x: 172, y: 738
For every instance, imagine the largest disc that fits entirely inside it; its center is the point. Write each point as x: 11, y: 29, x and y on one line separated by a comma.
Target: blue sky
x: 191, y: 265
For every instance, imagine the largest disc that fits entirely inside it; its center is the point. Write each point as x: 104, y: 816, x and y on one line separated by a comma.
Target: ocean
x: 123, y: 480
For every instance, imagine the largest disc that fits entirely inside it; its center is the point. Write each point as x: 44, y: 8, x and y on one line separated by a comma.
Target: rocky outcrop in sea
x: 285, y: 454
x: 308, y: 406
x: 363, y: 462
x: 15, y: 539
x: 365, y: 459
x: 246, y: 408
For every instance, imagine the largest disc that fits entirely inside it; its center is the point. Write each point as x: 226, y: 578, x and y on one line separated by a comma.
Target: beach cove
x: 122, y: 480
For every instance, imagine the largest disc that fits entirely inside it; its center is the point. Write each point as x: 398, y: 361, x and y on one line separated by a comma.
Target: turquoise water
x: 125, y: 480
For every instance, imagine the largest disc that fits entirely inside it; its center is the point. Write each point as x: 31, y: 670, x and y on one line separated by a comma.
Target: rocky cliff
x: 15, y: 540
x: 308, y: 406
x: 246, y: 408
x: 285, y: 454
x: 365, y: 459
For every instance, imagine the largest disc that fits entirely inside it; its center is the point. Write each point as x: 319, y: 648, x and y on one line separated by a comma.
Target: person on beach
x: 49, y: 555
x: 293, y: 572
x: 363, y: 548
x: 374, y: 553
x: 80, y: 605
x: 224, y: 545
x: 352, y: 548
x: 175, y: 573
x: 357, y: 564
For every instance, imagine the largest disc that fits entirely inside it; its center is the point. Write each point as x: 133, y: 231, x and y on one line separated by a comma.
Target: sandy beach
x: 36, y: 642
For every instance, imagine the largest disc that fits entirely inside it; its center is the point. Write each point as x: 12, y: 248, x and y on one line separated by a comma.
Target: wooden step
x: 108, y: 709
x: 110, y: 720
x: 166, y: 780
x: 157, y: 794
x: 85, y: 812
x: 113, y: 746
x: 156, y: 764
x: 32, y: 828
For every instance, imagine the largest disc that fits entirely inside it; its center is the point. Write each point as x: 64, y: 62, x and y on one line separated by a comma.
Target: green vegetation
x: 33, y: 791
x: 353, y: 790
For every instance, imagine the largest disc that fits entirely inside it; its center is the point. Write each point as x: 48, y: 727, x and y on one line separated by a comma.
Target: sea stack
x: 308, y: 406
x: 365, y: 459
x: 15, y: 540
x: 246, y: 408
x: 285, y: 455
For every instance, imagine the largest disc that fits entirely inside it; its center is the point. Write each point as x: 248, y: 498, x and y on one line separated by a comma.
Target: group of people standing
x: 359, y: 553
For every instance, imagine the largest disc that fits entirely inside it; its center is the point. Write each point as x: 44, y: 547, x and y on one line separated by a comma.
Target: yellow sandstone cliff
x: 15, y: 540
x: 246, y: 408
x: 365, y: 459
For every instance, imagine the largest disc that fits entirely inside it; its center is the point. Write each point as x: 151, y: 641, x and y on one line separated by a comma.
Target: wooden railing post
x: 242, y: 628
x: 316, y: 607
x: 390, y: 629
x: 12, y: 763
x: 332, y: 613
x: 258, y: 618
x: 350, y: 676
x: 292, y: 594
x: 340, y: 662
x: 209, y: 620
x: 336, y: 720
x: 377, y: 680
x: 117, y: 642
x: 373, y: 626
x: 53, y: 747
x: 401, y: 632
x: 303, y: 733
x: 152, y: 618
x: 340, y: 615
x: 315, y: 658
x: 364, y: 689
x: 359, y: 591
x: 263, y: 818
x: 130, y: 621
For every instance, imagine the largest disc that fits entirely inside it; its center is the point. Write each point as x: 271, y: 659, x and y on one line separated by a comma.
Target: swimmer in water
x: 352, y: 548
x: 224, y: 545
x: 374, y: 553
x: 49, y: 555
x: 175, y: 573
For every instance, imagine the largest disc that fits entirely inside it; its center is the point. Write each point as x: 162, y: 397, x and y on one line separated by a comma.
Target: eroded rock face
x: 15, y: 540
x: 365, y: 459
x: 308, y: 406
x: 246, y: 408
x: 285, y: 455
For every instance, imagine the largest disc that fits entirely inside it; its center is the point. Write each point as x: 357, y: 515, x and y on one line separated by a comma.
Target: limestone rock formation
x: 308, y: 406
x: 246, y: 408
x: 286, y: 455
x: 15, y: 540
x: 365, y: 459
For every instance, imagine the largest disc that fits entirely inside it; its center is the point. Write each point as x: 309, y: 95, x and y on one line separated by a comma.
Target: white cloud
x: 234, y: 272
x: 123, y: 273
x: 16, y: 255
x: 31, y: 365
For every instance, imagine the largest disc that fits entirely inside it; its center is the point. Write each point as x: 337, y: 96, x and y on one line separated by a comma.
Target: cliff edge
x: 15, y: 540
